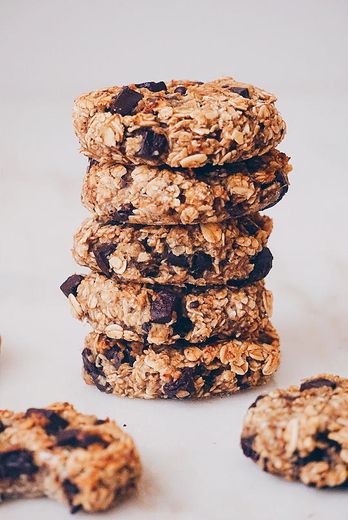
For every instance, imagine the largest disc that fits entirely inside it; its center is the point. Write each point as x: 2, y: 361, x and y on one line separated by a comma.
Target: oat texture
x: 57, y: 452
x: 182, y: 123
x: 134, y: 370
x: 159, y: 195
x: 233, y: 252
x: 168, y: 314
x: 301, y: 433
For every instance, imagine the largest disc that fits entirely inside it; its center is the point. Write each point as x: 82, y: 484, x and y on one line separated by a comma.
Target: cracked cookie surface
x: 76, y: 459
x: 167, y: 314
x: 232, y: 252
x: 132, y: 369
x: 301, y: 433
x: 181, y: 123
x: 158, y: 195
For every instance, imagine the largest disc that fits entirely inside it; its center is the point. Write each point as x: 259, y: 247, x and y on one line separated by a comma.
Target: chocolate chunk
x: 93, y: 371
x: 114, y: 355
x: 15, y: 463
x: 317, y: 455
x: 209, y: 376
x: 242, y: 91
x: 194, y: 305
x: 247, y: 447
x: 323, y: 438
x: 248, y: 225
x: 262, y: 266
x: 117, y: 356
x: 2, y: 427
x: 180, y: 90
x: 177, y: 260
x: 153, y: 144
x: 254, y: 164
x: 201, y: 262
x: 146, y: 327
x: 126, y: 179
x: 258, y: 398
x: 54, y: 422
x: 182, y: 326
x: 149, y: 271
x: 184, y: 382
x: 163, y: 306
x: 75, y: 438
x: 153, y: 86
x: 282, y: 179
x: 101, y: 254
x: 71, y: 284
x: 317, y: 383
x: 70, y: 490
x: 146, y: 246
x: 125, y: 102
x: 100, y: 421
x: 91, y: 162
x: 122, y: 214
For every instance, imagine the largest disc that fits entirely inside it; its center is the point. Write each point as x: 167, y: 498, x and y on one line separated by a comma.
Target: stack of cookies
x: 175, y: 244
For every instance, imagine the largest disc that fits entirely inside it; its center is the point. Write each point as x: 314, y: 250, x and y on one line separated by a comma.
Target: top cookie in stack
x: 177, y: 174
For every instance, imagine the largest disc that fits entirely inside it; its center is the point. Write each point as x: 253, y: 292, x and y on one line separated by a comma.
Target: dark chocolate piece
x: 15, y: 463
x: 163, y: 306
x: 153, y: 144
x: 152, y: 85
x: 177, y: 260
x: 242, y: 91
x: 317, y: 383
x: 247, y: 447
x: 201, y: 262
x: 54, y: 422
x: 71, y: 284
x: 184, y: 382
x: 125, y: 102
x: 101, y: 254
x: 75, y: 438
x: 122, y: 214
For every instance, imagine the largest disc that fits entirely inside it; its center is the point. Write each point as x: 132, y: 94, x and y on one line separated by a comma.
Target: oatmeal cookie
x: 301, y: 433
x: 233, y: 252
x: 74, y: 458
x: 182, y: 123
x: 167, y: 314
x: 196, y: 371
x: 153, y: 195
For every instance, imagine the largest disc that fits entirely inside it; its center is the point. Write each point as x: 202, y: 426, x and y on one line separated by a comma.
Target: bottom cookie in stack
x: 133, y: 369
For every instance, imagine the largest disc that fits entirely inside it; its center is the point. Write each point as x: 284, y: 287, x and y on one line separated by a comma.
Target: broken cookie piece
x: 57, y: 452
x: 301, y: 433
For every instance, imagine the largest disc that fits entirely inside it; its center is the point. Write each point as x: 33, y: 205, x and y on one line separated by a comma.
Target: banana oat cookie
x: 233, y: 252
x: 160, y: 195
x: 182, y: 123
x: 301, y: 433
x: 57, y: 452
x: 167, y: 314
x: 134, y: 370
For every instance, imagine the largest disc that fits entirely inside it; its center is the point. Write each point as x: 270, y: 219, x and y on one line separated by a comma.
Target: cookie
x: 166, y: 314
x: 74, y: 458
x: 301, y: 433
x: 232, y: 253
x: 134, y: 370
x: 153, y: 195
x: 182, y: 123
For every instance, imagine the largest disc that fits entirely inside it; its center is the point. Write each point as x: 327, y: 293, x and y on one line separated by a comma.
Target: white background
x: 52, y: 51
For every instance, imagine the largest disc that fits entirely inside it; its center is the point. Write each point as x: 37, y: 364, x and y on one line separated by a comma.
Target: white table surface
x: 52, y: 51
